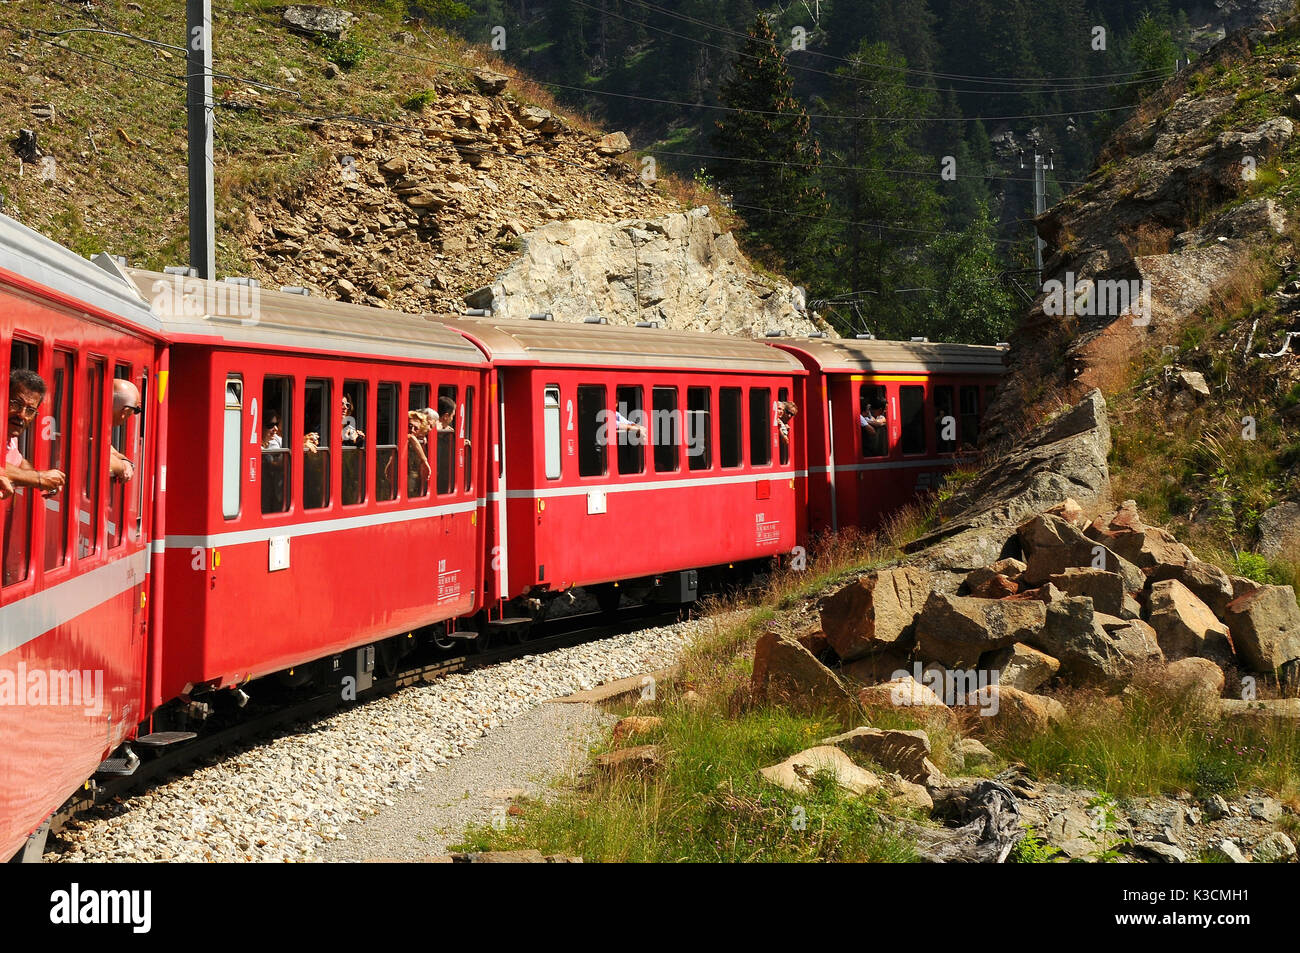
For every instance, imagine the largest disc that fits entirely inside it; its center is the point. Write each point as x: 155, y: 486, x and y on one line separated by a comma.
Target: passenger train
x: 318, y: 486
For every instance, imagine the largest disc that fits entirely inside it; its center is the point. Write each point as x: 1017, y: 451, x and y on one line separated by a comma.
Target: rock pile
x: 417, y: 216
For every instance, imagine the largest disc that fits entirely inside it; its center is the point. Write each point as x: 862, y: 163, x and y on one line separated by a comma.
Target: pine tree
x: 972, y: 306
x: 772, y: 159
x: 883, y: 189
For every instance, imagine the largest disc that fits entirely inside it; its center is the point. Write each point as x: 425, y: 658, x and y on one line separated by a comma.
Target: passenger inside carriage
x: 785, y: 413
x: 126, y: 404
x: 26, y: 394
x: 872, y: 423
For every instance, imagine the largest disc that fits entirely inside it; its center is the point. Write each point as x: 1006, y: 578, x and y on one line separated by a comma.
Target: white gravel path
x: 283, y: 798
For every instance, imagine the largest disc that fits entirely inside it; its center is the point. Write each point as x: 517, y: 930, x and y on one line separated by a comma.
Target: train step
x: 510, y: 622
x: 161, y: 739
x: 466, y: 634
x: 120, y: 767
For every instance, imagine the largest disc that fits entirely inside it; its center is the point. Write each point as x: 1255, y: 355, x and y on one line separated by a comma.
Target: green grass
x: 709, y: 804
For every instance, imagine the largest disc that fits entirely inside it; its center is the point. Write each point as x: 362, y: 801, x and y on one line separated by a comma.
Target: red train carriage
x: 304, y: 515
x: 932, y: 398
x: 634, y: 454
x: 74, y: 596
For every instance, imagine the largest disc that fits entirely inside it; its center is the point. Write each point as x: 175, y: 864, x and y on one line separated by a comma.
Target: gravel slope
x: 283, y: 798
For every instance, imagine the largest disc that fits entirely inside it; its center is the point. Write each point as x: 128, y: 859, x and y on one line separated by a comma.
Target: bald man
x: 126, y: 404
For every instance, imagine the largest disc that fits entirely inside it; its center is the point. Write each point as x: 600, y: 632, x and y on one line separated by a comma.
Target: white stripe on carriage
x: 35, y: 615
x: 547, y: 492
x: 241, y: 537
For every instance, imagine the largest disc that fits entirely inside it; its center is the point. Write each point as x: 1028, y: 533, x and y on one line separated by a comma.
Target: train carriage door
x: 19, y: 511
x: 868, y: 450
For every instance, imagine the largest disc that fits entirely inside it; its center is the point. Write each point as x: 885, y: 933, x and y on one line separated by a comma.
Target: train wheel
x: 608, y: 597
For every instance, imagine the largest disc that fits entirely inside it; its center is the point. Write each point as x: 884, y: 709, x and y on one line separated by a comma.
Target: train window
x: 140, y: 455
x: 630, y: 428
x: 970, y: 416
x: 388, y: 397
x: 120, y: 438
x: 760, y: 426
x: 231, y: 446
x: 591, y: 445
x: 699, y: 429
x: 912, y: 409
x: 551, y: 423
x: 945, y: 420
x: 665, y: 429
x: 873, y: 420
x: 353, y: 408
x: 417, y: 442
x: 60, y: 424
x: 446, y: 439
x: 316, y: 428
x: 88, y: 509
x: 782, y: 396
x: 466, y: 433
x: 18, y: 511
x: 277, y: 411
x: 731, y: 438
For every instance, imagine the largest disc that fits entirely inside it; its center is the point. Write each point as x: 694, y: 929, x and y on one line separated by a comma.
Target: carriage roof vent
x: 479, y: 313
x: 819, y: 334
x: 865, y: 337
x: 920, y: 340
x: 240, y: 280
x: 541, y: 316
x: 185, y: 271
x: 1003, y: 344
x: 647, y: 324
x: 780, y: 333
x: 595, y: 319
x: 296, y: 290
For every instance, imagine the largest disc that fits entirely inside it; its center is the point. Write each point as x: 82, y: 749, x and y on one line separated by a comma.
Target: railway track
x: 269, y: 717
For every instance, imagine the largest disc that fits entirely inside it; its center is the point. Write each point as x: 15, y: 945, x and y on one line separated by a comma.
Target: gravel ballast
x: 283, y: 798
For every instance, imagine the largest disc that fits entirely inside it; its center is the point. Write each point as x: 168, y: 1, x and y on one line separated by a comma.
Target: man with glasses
x: 126, y: 404
x: 26, y: 392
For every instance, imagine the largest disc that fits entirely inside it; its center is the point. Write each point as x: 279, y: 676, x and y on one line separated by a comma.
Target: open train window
x: 629, y: 427
x: 466, y: 434
x: 760, y: 426
x: 59, y: 402
x: 30, y: 402
x: 912, y: 410
x: 276, y: 440
x: 699, y: 428
x: 353, y: 438
x: 782, y: 395
x: 970, y: 416
x: 447, y: 432
x: 141, y: 456
x: 551, y: 424
x: 665, y: 429
x: 730, y: 436
x: 318, y: 410
x: 592, y: 453
x: 873, y: 420
x: 418, y: 429
x: 92, y: 417
x: 388, y: 397
x: 121, y: 443
x: 945, y: 420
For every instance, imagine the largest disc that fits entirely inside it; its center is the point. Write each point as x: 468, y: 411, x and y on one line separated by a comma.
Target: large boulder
x: 1021, y: 667
x: 1198, y: 679
x: 1265, y: 626
x: 788, y: 674
x: 1207, y: 582
x: 1184, y: 625
x: 313, y: 20
x: 957, y: 630
x: 902, y: 691
x: 906, y: 753
x: 874, y: 612
x: 1051, y: 546
x: 1124, y: 533
x: 1007, y: 708
x: 1105, y: 589
x: 796, y: 773
x: 1095, y: 649
x: 987, y: 584
x: 1279, y: 530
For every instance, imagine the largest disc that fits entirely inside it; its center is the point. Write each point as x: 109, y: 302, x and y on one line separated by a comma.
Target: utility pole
x: 1042, y: 163
x: 199, y: 108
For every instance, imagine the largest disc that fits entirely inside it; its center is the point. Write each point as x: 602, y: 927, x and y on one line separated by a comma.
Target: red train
x: 318, y: 486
